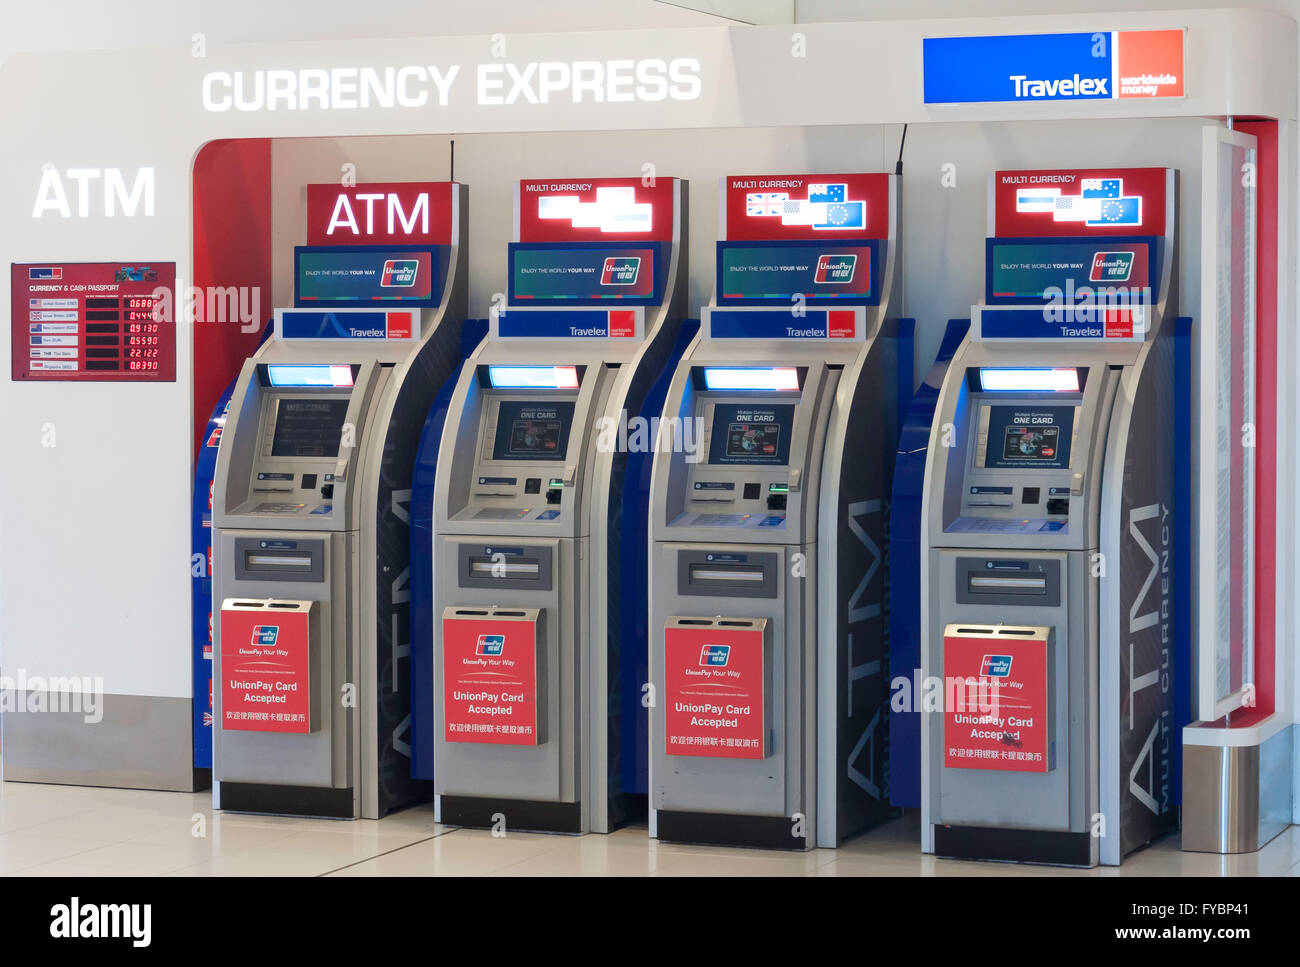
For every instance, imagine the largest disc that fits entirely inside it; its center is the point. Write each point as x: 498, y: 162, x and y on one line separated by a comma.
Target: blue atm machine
x: 538, y: 610
x: 768, y: 584
x: 1055, y: 592
x: 310, y: 518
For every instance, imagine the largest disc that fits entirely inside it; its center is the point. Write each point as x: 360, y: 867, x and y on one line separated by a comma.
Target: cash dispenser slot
x: 1024, y: 582
x: 705, y: 573
x: 499, y: 566
x: 702, y: 573
x: 263, y: 559
x: 979, y: 583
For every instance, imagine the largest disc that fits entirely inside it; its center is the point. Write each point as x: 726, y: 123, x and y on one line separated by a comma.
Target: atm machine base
x: 1013, y: 845
x: 257, y: 797
x: 728, y: 829
x: 524, y: 815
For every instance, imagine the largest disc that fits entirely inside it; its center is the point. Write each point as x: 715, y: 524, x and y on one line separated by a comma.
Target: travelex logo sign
x: 399, y: 273
x: 1104, y: 65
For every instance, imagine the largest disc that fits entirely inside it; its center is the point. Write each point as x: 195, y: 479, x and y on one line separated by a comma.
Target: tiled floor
x: 76, y: 831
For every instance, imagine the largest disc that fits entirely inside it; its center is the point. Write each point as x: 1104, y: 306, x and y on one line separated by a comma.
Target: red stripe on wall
x: 232, y: 247
x: 1266, y: 241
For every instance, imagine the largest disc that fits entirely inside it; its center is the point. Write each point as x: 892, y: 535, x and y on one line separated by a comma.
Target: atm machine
x: 769, y: 500
x: 1051, y: 620
x: 535, y: 659
x: 311, y: 706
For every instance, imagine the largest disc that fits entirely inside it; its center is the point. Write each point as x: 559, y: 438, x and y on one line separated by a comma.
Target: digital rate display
x: 308, y: 427
x: 105, y: 321
x: 753, y: 434
x: 1029, y: 436
x: 531, y: 430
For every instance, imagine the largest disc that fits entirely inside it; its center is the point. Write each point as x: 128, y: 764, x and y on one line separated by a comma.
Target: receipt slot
x: 310, y: 536
x: 1051, y: 624
x: 536, y: 641
x: 768, y: 521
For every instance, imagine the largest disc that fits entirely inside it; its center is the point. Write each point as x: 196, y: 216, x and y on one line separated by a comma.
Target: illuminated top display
x: 780, y: 207
x: 596, y: 210
x: 386, y: 213
x: 1080, y: 202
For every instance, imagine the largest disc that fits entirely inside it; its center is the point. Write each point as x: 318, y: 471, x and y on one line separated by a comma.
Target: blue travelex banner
x: 811, y: 324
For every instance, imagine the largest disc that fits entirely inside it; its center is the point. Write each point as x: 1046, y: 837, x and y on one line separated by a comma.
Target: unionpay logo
x: 715, y: 656
x: 491, y: 646
x: 620, y: 270
x: 265, y: 636
x: 1111, y: 267
x: 399, y: 273
x: 835, y: 268
x: 995, y: 666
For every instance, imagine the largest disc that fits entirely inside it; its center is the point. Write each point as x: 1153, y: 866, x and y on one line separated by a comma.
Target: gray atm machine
x: 311, y: 678
x: 768, y: 509
x: 1053, y: 609
x: 533, y: 657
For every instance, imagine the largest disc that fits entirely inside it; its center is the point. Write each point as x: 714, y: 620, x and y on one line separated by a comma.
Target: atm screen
x: 1029, y: 436
x: 751, y: 433
x: 308, y: 427
x: 531, y: 430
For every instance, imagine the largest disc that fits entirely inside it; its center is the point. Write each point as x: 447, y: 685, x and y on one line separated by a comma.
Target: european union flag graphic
x: 1119, y: 211
x: 828, y: 194
x: 847, y: 215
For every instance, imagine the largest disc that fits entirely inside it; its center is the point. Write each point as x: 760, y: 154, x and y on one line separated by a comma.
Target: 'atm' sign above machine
x: 1085, y: 66
x: 388, y: 213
